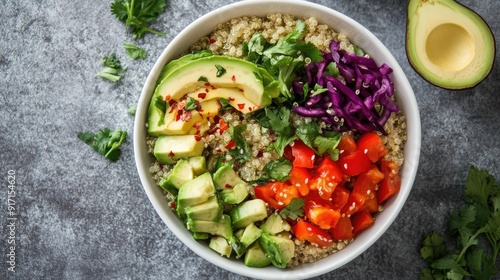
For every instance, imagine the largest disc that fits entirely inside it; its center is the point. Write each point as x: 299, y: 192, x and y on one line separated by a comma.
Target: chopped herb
x: 138, y: 14
x: 307, y: 132
x: 479, y: 216
x: 191, y: 104
x: 202, y: 79
x: 278, y: 169
x: 161, y: 104
x: 134, y: 52
x: 220, y: 71
x: 224, y: 103
x: 294, y: 209
x: 113, y: 69
x: 279, y: 121
x: 328, y: 144
x: 132, y: 109
x: 105, y: 142
x: 242, y: 152
x: 332, y: 69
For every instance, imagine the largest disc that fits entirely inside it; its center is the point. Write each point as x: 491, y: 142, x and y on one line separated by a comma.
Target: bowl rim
x: 357, y: 34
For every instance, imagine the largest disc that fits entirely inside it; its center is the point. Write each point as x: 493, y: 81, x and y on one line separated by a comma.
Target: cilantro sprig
x: 293, y: 210
x: 105, y: 142
x: 242, y: 152
x: 478, y: 217
x: 134, y: 52
x: 138, y: 14
x: 113, y: 69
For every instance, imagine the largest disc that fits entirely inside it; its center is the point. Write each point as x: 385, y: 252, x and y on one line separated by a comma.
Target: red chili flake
x: 227, y: 186
x: 216, y: 119
x: 241, y: 106
x: 260, y: 154
x: 167, y: 97
x: 230, y: 99
x: 233, y: 78
x: 197, y: 132
x: 197, y: 138
x: 241, y: 90
x: 202, y: 95
x: 250, y: 109
x: 212, y: 40
x: 230, y: 145
x: 197, y: 124
x: 207, y: 84
x: 171, y: 154
x: 172, y: 205
x: 177, y: 116
x: 218, y: 151
x: 214, y: 87
x: 171, y: 102
x: 207, y: 90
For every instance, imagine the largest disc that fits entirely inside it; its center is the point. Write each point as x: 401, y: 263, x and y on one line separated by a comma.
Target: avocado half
x: 448, y: 44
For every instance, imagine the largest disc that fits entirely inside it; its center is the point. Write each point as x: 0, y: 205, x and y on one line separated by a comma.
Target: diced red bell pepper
x: 300, y: 178
x: 372, y: 146
x: 312, y: 233
x: 391, y: 184
x: 303, y: 155
x: 339, y: 198
x: 326, y: 178
x: 364, y: 188
x: 371, y: 204
x: 343, y: 229
x: 319, y: 211
x: 360, y: 221
x: 354, y: 163
x: 347, y: 145
x: 267, y: 193
x: 285, y: 193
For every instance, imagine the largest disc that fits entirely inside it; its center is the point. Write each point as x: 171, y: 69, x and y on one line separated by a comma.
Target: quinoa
x: 227, y: 39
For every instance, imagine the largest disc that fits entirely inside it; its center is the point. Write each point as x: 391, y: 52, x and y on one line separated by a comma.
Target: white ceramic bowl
x: 360, y: 36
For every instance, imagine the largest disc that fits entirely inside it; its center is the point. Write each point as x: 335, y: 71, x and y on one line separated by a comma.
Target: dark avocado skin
x: 408, y: 56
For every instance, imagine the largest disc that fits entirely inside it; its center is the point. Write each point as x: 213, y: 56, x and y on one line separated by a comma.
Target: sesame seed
x: 365, y: 151
x: 345, y: 165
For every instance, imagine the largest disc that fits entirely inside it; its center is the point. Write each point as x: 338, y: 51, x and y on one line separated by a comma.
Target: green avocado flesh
x: 448, y: 44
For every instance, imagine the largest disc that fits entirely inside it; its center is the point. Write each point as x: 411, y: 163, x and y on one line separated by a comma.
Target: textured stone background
x: 83, y: 217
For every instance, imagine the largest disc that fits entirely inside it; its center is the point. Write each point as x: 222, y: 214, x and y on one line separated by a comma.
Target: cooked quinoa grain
x: 227, y: 39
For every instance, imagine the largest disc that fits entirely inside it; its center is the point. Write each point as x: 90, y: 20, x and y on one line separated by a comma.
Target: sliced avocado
x: 256, y: 257
x: 233, y: 96
x: 175, y: 125
x: 170, y: 148
x: 236, y: 194
x: 199, y: 164
x: 194, y: 192
x: 220, y: 245
x: 249, y: 234
x: 220, y: 228
x: 210, y: 210
x: 181, y: 173
x: 248, y: 212
x: 176, y: 63
x: 278, y: 249
x: 237, y: 246
x: 218, y: 72
x: 274, y: 224
x: 448, y: 44
x: 225, y: 177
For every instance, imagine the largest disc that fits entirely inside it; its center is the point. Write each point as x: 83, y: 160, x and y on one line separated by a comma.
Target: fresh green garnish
x: 134, y: 52
x: 113, y: 69
x: 224, y: 103
x: 105, y: 142
x: 132, y: 109
x: 191, y: 104
x: 283, y: 59
x: 332, y: 69
x: 478, y: 217
x: 278, y: 170
x: 202, y: 79
x: 220, y: 71
x: 242, y: 152
x: 138, y: 14
x: 161, y: 104
x: 278, y: 119
x: 293, y: 210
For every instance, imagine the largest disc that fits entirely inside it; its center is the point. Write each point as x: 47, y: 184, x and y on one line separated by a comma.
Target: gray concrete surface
x: 79, y: 216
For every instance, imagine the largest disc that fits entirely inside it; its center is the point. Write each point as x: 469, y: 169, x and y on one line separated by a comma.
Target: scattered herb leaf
x: 202, y: 79
x: 134, y: 52
x: 294, y: 209
x: 242, y: 152
x: 113, y: 69
x: 105, y: 142
x: 278, y: 169
x: 220, y: 71
x: 138, y: 14
x: 132, y: 109
x: 191, y: 104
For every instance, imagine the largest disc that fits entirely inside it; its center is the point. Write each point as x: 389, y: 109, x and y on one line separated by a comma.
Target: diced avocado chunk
x: 256, y: 257
x: 274, y: 224
x: 170, y: 148
x: 209, y: 210
x: 201, y: 235
x: 226, y: 177
x: 236, y: 194
x: 250, y: 234
x: 196, y: 191
x: 199, y: 164
x: 237, y: 246
x: 221, y: 227
x: 248, y: 212
x: 181, y: 174
x: 220, y: 245
x: 278, y: 249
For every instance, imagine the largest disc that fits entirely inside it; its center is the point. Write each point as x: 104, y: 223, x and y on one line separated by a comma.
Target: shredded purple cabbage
x: 349, y: 103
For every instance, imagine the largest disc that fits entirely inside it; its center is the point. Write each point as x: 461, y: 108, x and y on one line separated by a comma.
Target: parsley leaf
x: 138, y: 14
x: 479, y: 216
x: 278, y: 169
x: 220, y: 71
x: 134, y: 52
x: 294, y: 209
x: 191, y: 104
x: 105, y: 142
x: 132, y: 109
x: 279, y: 121
x: 113, y: 69
x: 242, y: 152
